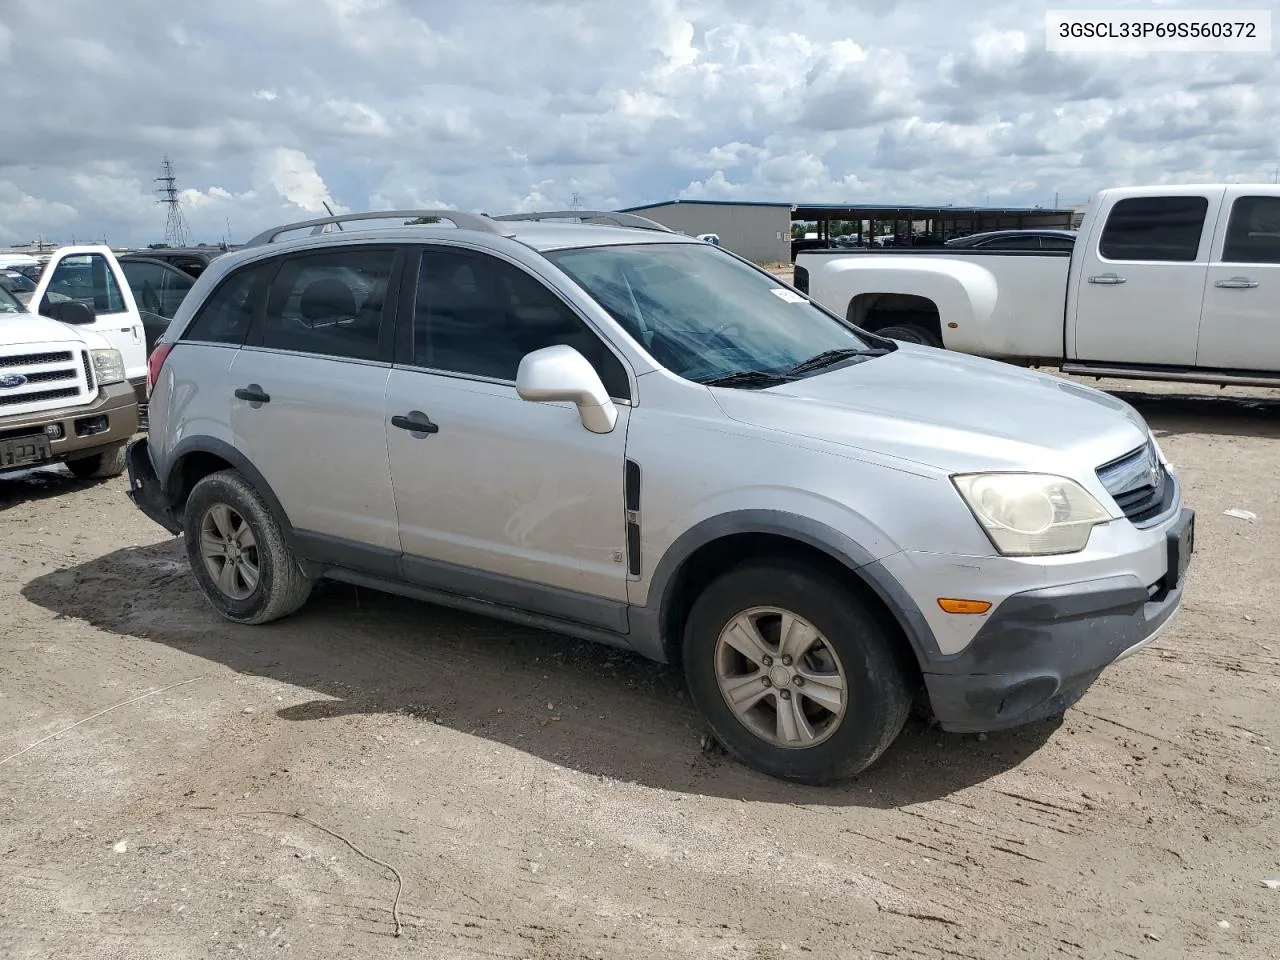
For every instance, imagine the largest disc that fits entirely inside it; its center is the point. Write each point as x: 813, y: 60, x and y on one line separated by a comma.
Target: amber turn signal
x: 964, y: 606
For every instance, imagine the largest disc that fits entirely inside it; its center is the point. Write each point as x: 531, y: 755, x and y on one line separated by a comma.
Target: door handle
x: 415, y: 421
x: 253, y: 393
x: 1236, y: 283
x: 1107, y: 278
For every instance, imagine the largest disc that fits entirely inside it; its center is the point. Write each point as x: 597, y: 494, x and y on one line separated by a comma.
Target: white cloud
x: 511, y: 104
x: 293, y: 176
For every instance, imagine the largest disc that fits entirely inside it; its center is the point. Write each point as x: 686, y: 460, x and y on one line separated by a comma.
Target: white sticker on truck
x: 782, y: 293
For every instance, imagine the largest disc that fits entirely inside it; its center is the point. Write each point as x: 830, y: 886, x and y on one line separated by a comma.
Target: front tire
x: 910, y: 333
x: 793, y: 673
x: 238, y: 552
x: 99, y: 466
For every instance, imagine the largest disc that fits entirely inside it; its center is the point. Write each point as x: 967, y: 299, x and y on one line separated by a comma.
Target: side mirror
x: 68, y: 311
x: 561, y: 373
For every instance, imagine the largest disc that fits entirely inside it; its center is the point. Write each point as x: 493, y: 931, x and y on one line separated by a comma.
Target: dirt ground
x: 542, y: 798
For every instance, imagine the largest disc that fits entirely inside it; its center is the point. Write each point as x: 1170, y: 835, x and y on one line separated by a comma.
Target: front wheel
x: 910, y: 333
x: 793, y: 673
x: 238, y: 552
x: 99, y: 466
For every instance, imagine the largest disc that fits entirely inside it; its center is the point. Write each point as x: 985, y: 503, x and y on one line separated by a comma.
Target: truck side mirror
x: 68, y: 311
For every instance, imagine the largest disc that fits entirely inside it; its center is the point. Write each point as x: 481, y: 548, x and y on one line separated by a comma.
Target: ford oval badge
x: 9, y: 381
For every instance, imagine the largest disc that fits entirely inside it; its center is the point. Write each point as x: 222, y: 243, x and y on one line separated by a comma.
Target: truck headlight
x: 108, y: 366
x: 1031, y: 514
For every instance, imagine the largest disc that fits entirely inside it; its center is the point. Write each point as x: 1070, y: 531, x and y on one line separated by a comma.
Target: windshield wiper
x: 747, y: 378
x: 828, y: 357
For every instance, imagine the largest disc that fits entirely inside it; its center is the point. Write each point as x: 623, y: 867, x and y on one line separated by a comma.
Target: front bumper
x: 1040, y: 650
x: 110, y: 419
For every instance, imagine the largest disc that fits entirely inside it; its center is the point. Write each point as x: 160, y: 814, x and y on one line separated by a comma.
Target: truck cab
x: 91, y: 275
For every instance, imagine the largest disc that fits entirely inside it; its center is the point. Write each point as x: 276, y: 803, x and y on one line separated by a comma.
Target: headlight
x: 108, y: 365
x: 1031, y: 514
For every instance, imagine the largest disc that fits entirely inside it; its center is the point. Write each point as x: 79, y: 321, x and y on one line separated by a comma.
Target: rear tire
x: 238, y: 552
x: 795, y: 731
x: 910, y: 333
x: 100, y: 466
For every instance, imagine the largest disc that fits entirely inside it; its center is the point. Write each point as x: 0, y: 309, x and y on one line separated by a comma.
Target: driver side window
x: 477, y: 315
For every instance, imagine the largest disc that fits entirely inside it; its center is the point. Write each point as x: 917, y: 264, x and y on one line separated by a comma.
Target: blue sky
x: 268, y: 108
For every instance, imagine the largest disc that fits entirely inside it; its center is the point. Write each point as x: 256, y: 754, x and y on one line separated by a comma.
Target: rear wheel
x: 238, y: 552
x: 100, y: 466
x: 793, y: 674
x: 910, y: 333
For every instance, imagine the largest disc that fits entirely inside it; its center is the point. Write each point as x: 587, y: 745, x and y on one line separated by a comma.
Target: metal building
x: 762, y: 231
x: 758, y: 231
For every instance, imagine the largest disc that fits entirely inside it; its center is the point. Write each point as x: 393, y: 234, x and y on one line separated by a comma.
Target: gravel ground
x: 542, y: 798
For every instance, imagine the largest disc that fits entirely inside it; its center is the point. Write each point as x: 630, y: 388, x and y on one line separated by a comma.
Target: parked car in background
x: 1162, y: 283
x: 64, y: 394
x: 1016, y: 240
x: 158, y: 289
x: 532, y: 420
x: 190, y: 260
x: 17, y: 284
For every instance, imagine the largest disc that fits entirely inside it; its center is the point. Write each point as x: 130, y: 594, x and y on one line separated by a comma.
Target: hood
x: 19, y: 328
x: 949, y: 411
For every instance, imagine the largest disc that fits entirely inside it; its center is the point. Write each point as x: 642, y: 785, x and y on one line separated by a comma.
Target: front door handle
x: 1237, y: 283
x: 416, y: 422
x: 253, y: 393
x: 1107, y: 278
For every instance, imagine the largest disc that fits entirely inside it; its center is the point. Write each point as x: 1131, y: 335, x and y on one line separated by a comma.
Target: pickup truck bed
x: 1163, y: 283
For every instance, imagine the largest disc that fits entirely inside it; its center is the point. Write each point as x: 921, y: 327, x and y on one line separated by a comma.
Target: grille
x: 52, y: 376
x: 38, y: 396
x: 1139, y: 484
x: 34, y: 359
x: 88, y: 369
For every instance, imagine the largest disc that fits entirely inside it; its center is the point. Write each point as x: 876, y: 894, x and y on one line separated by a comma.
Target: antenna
x: 175, y: 225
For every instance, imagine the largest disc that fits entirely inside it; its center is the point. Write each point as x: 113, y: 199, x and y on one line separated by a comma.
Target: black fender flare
x: 225, y: 451
x: 647, y: 621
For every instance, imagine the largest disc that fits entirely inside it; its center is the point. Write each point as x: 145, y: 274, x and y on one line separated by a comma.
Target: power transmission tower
x: 175, y: 226
x: 576, y: 202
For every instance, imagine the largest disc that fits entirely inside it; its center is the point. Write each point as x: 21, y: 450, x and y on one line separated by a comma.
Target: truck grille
x: 1139, y: 484
x: 38, y: 396
x: 35, y: 359
x: 37, y: 377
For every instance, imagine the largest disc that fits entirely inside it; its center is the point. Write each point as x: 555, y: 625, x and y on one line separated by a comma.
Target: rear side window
x: 1154, y: 228
x: 1057, y: 243
x: 1253, y: 233
x: 227, y: 314
x: 330, y: 303
x: 86, y: 277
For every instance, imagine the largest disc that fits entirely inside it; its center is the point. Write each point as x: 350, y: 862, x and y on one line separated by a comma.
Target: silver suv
x: 612, y: 431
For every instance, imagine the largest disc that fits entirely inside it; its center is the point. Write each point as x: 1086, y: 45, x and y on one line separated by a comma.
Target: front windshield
x: 8, y: 303
x: 702, y: 313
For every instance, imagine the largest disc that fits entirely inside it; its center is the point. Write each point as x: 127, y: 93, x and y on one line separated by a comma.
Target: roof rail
x: 592, y: 216
x: 463, y: 221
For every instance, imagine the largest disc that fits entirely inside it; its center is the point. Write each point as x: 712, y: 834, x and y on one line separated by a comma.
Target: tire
x: 222, y: 505
x: 873, y: 706
x: 100, y: 466
x: 911, y: 333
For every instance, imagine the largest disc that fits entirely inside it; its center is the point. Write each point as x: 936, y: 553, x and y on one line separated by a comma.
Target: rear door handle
x: 253, y: 393
x: 1107, y: 278
x: 415, y: 421
x: 1237, y: 283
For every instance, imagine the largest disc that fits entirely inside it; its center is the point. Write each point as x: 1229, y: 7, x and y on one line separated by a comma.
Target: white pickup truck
x: 1163, y: 283
x: 73, y: 367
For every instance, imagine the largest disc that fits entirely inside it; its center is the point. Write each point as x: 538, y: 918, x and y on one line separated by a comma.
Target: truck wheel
x: 911, y: 333
x: 792, y: 672
x: 238, y: 552
x: 100, y: 466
